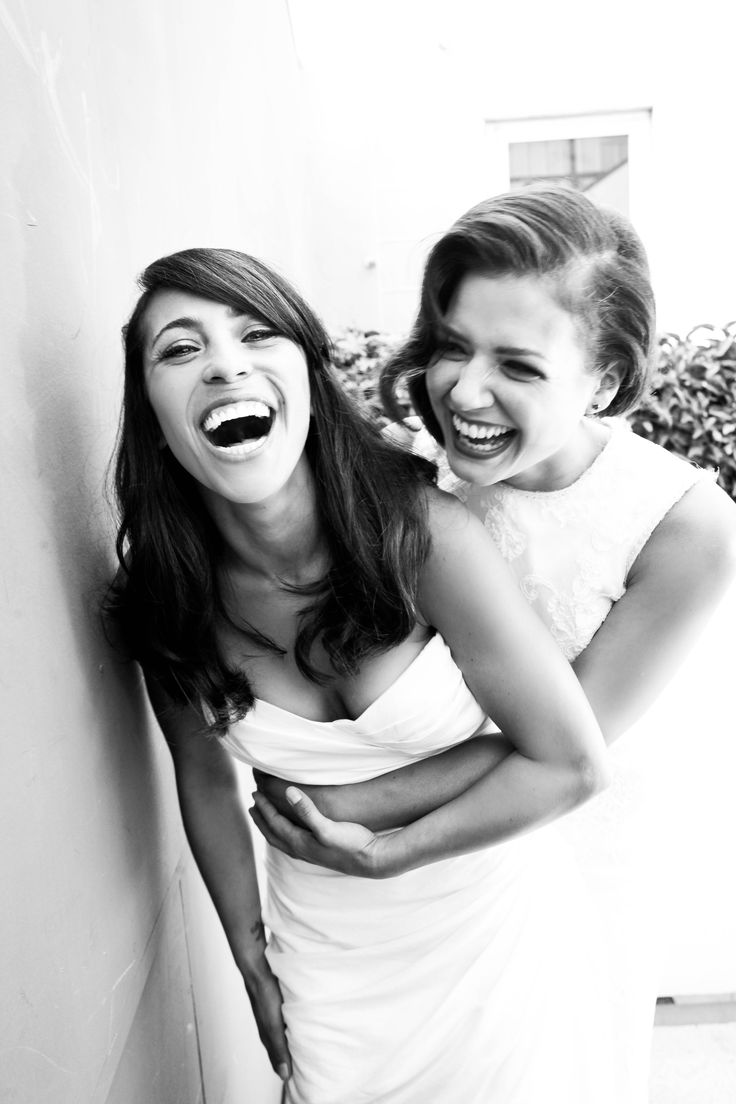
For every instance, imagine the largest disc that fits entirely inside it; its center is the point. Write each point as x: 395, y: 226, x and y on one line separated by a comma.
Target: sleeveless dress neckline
x: 590, y: 472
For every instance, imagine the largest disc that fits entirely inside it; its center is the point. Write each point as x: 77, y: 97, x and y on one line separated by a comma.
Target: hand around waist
x: 338, y: 845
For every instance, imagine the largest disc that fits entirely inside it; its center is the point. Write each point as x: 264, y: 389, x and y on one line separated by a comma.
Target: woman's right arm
x: 219, y: 836
x: 402, y: 795
x: 518, y: 676
x: 675, y: 585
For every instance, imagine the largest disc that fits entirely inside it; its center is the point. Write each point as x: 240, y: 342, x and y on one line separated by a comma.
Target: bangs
x: 243, y: 283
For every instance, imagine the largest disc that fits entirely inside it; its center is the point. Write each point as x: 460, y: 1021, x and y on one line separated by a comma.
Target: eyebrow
x: 188, y: 323
x: 511, y: 350
x: 176, y: 323
x: 505, y: 350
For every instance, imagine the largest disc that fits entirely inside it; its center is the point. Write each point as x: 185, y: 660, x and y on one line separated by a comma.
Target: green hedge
x: 690, y: 410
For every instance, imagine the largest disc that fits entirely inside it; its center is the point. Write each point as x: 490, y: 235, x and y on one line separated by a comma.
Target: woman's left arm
x: 518, y: 676
x: 674, y: 587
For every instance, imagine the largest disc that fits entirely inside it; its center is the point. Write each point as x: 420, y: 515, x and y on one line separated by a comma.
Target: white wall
x: 403, y: 91
x: 128, y: 130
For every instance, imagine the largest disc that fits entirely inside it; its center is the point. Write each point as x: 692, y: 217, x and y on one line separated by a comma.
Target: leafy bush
x: 359, y: 356
x: 691, y: 408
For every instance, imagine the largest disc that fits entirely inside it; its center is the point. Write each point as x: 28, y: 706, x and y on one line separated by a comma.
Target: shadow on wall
x: 95, y: 845
x: 71, y: 446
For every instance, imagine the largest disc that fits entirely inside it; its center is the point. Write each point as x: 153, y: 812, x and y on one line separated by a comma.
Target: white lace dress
x: 571, y: 551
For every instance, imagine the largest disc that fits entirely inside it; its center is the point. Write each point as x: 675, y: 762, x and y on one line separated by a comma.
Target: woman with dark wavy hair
x: 302, y: 597
x: 536, y: 318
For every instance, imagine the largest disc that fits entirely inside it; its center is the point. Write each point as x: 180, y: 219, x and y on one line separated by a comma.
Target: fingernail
x: 283, y: 1071
x: 293, y: 795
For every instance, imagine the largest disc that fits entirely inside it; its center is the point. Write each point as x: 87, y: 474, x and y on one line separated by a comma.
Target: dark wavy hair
x: 598, y: 272
x: 165, y: 598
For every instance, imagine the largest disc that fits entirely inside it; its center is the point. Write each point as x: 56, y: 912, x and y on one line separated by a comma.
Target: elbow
x: 590, y: 775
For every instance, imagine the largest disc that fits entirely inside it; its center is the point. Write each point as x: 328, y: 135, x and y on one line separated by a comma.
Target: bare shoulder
x: 697, y: 536
x: 446, y: 513
x: 463, y: 568
x: 453, y: 528
x: 701, y: 524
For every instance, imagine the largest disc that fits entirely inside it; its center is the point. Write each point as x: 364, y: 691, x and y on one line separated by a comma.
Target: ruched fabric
x: 476, y: 979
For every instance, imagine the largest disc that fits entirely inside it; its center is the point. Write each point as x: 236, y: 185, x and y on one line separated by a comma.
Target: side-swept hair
x: 597, y: 269
x: 165, y: 597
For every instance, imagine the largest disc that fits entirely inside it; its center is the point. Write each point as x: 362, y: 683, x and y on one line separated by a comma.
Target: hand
x: 339, y: 845
x: 265, y: 1000
x: 275, y: 790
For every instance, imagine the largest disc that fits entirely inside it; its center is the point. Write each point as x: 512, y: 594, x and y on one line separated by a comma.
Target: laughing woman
x: 302, y: 597
x: 536, y: 319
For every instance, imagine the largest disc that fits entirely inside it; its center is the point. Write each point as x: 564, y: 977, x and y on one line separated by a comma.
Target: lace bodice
x: 572, y: 549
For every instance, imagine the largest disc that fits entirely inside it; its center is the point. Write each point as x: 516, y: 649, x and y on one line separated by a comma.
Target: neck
x: 567, y: 466
x: 279, y: 539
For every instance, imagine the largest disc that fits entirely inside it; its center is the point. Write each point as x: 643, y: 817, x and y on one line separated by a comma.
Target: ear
x: 607, y: 385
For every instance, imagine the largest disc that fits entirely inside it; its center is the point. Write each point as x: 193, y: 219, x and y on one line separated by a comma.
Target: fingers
x: 274, y: 789
x: 266, y: 1003
x: 268, y: 835
x: 333, y: 835
x: 280, y: 832
x: 274, y: 1039
x: 278, y: 1052
x: 308, y: 813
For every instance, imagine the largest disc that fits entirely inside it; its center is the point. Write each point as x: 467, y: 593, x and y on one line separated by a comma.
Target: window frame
x: 635, y: 124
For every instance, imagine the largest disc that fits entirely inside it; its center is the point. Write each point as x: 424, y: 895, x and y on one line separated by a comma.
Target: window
x: 604, y: 155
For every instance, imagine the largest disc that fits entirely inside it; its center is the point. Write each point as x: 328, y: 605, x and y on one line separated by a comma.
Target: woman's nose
x: 474, y: 386
x: 228, y: 362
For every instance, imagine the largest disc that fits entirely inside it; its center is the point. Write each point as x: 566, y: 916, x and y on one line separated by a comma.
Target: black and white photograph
x: 369, y: 552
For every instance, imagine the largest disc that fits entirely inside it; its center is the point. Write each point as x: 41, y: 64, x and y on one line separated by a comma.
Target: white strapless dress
x: 474, y: 980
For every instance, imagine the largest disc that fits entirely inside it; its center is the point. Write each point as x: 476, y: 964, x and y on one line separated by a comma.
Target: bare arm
x: 402, y: 795
x: 673, y: 588
x: 518, y: 676
x: 219, y: 836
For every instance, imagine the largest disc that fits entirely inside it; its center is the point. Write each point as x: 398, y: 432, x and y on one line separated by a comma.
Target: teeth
x: 246, y: 408
x: 478, y: 432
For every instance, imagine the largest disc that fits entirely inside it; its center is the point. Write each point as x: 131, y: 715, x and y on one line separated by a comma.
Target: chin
x: 475, y: 470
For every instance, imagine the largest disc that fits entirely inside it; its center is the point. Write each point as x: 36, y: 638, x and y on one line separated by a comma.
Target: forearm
x: 404, y: 795
x: 518, y: 795
x: 220, y: 841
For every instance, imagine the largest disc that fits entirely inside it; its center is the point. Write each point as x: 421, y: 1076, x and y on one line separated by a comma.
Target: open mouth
x: 239, y: 427
x: 479, y: 438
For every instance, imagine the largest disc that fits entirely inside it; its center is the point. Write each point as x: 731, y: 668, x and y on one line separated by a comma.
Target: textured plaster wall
x: 127, y: 130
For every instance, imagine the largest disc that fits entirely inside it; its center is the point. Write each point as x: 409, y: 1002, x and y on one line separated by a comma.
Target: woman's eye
x: 260, y: 333
x: 517, y: 369
x: 179, y: 350
x: 451, y: 350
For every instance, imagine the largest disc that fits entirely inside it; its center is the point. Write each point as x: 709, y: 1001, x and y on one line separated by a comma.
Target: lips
x: 240, y: 425
x: 480, y: 438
